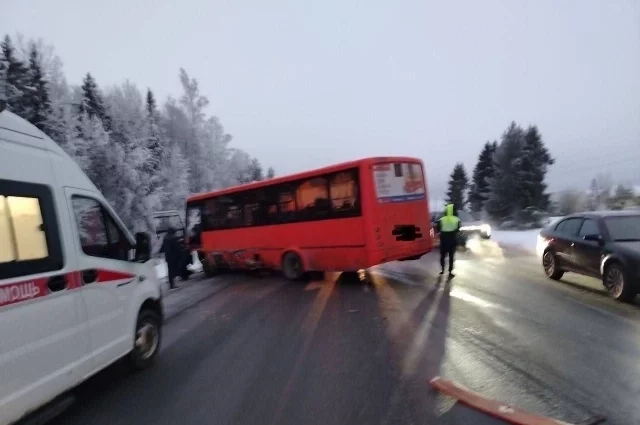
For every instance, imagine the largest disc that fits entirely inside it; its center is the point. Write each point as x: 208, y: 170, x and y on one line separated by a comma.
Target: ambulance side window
x: 99, y: 234
x: 29, y: 237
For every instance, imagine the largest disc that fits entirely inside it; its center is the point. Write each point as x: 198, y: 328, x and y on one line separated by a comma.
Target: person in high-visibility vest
x: 448, y: 227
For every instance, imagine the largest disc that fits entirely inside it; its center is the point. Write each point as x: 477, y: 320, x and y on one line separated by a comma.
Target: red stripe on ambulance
x: 23, y: 291
x: 111, y: 275
x: 26, y: 290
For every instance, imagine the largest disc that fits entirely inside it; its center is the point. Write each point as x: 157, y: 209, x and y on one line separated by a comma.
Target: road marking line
x: 509, y: 414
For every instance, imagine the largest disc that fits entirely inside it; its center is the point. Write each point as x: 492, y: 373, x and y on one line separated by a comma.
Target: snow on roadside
x: 522, y: 239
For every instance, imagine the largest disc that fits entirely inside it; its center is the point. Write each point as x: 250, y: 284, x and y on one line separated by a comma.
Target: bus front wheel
x: 292, y: 266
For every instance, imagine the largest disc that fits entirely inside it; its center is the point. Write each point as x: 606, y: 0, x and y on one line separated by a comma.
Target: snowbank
x: 521, y: 239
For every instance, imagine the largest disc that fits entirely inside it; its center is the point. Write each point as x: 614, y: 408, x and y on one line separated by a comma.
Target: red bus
x: 345, y: 217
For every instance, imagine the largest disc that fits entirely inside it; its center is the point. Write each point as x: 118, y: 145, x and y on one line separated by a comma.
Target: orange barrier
x: 508, y: 414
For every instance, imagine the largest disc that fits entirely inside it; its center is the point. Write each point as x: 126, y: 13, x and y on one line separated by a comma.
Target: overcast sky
x: 302, y: 84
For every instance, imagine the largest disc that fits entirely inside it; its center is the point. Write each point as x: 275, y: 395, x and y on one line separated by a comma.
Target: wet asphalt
x: 259, y: 350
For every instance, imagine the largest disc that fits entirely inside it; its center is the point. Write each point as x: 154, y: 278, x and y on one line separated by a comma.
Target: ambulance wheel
x: 292, y: 266
x: 146, y: 340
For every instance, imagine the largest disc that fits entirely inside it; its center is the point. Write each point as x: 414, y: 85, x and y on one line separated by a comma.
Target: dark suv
x: 604, y: 245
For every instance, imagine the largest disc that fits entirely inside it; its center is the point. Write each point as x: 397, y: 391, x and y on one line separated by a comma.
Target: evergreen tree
x: 251, y: 172
x: 622, y: 197
x: 271, y: 173
x: 92, y: 103
x: 624, y: 192
x: 154, y: 144
x: 505, y: 199
x: 14, y: 77
x: 36, y: 100
x: 256, y: 170
x: 482, y: 173
x: 458, y: 184
x: 143, y: 158
x: 533, y: 165
x: 594, y: 196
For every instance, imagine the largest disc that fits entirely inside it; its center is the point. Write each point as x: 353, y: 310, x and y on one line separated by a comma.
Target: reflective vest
x: 449, y: 222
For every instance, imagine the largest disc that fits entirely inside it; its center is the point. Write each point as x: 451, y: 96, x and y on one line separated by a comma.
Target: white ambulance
x: 77, y: 292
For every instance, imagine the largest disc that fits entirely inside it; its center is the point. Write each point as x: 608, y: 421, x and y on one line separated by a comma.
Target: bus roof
x: 303, y: 175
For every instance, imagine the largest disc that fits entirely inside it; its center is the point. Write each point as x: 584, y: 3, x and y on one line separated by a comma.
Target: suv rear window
x: 569, y: 226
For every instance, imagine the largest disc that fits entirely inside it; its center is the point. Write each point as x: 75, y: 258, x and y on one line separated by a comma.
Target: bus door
x: 163, y: 220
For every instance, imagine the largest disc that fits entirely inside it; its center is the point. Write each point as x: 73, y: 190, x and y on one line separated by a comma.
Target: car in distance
x: 470, y: 226
x: 601, y: 244
x: 473, y: 227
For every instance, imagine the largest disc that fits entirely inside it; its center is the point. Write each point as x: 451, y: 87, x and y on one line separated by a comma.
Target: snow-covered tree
x: 240, y: 166
x: 175, y: 172
x: 92, y: 103
x: 255, y: 170
x: 154, y: 141
x: 194, y: 145
x: 36, y: 100
x: 141, y: 156
x: 14, y: 76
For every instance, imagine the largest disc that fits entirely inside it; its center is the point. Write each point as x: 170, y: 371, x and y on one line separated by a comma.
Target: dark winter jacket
x: 171, y: 249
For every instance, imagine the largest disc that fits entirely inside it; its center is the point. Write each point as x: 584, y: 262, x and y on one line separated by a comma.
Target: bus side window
x: 312, y: 198
x: 209, y: 219
x: 286, y: 206
x: 268, y: 206
x: 344, y: 194
x: 252, y: 209
x: 234, y: 217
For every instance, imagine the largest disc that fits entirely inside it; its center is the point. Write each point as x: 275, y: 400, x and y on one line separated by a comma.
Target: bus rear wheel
x: 292, y: 266
x: 208, y: 268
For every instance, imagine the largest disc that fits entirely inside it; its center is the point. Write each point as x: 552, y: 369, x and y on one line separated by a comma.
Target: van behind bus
x: 76, y: 290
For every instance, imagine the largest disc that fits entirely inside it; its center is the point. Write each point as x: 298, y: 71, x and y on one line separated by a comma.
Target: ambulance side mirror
x: 143, y: 247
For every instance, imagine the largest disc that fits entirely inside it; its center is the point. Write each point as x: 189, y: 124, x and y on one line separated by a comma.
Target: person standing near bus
x: 448, y: 227
x: 172, y: 255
